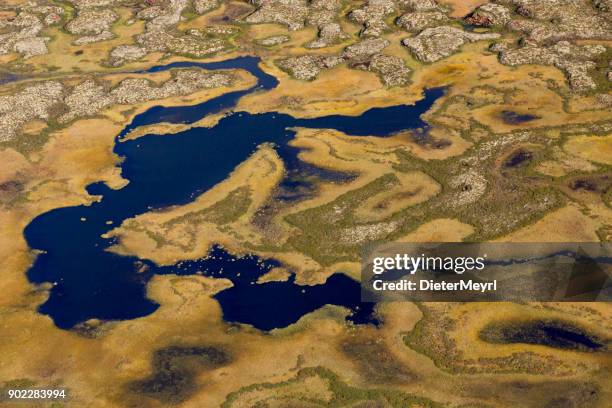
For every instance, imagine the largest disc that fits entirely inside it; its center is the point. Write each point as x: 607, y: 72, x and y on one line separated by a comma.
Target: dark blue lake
x: 90, y: 282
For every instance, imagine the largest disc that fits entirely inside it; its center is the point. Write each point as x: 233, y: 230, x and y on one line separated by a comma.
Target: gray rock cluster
x: 364, y: 49
x: 296, y: 14
x: 490, y: 15
x: 90, y: 97
x: 307, y: 67
x: 421, y: 15
x: 291, y: 13
x: 365, y: 55
x: 547, y: 30
x: 545, y: 22
x: 204, y: 6
x: 391, y: 69
x: 124, y: 53
x: 213, y: 30
x: 323, y: 14
x: 159, y: 35
x: 434, y: 44
x: 22, y: 33
x: 33, y: 102
x: 46, y: 10
x: 273, y: 40
x: 186, y: 44
x: 574, y: 60
x: 372, y: 16
x: 160, y: 17
x: 92, y: 22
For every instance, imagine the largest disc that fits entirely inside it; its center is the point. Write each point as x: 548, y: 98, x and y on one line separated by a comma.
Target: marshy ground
x: 509, y: 153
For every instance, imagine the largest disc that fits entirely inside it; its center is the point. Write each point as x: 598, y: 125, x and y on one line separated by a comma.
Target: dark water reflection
x: 90, y: 282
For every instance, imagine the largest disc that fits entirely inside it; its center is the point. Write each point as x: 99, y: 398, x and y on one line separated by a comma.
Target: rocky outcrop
x: 296, y: 14
x: 89, y: 98
x: 421, y: 15
x: 273, y: 40
x: 88, y: 39
x: 574, y: 60
x: 367, y: 55
x: 433, y: 44
x: 49, y: 13
x: 159, y: 18
x: 548, y: 31
x: 291, y: 13
x: 204, y: 6
x: 545, y: 22
x: 419, y: 5
x: 188, y: 44
x: 489, y: 15
x: 21, y: 35
x: 159, y: 36
x: 91, y: 22
x: 83, y: 4
x: 364, y: 49
x: 391, y: 69
x: 307, y: 67
x: 323, y: 14
x: 417, y: 21
x: 33, y: 102
x: 372, y: 16
x: 364, y: 55
x: 126, y: 53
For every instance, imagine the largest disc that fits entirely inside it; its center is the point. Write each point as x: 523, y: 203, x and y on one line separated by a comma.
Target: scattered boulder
x: 605, y: 6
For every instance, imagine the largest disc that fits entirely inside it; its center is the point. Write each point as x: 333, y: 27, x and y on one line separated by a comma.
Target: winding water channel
x: 90, y: 282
